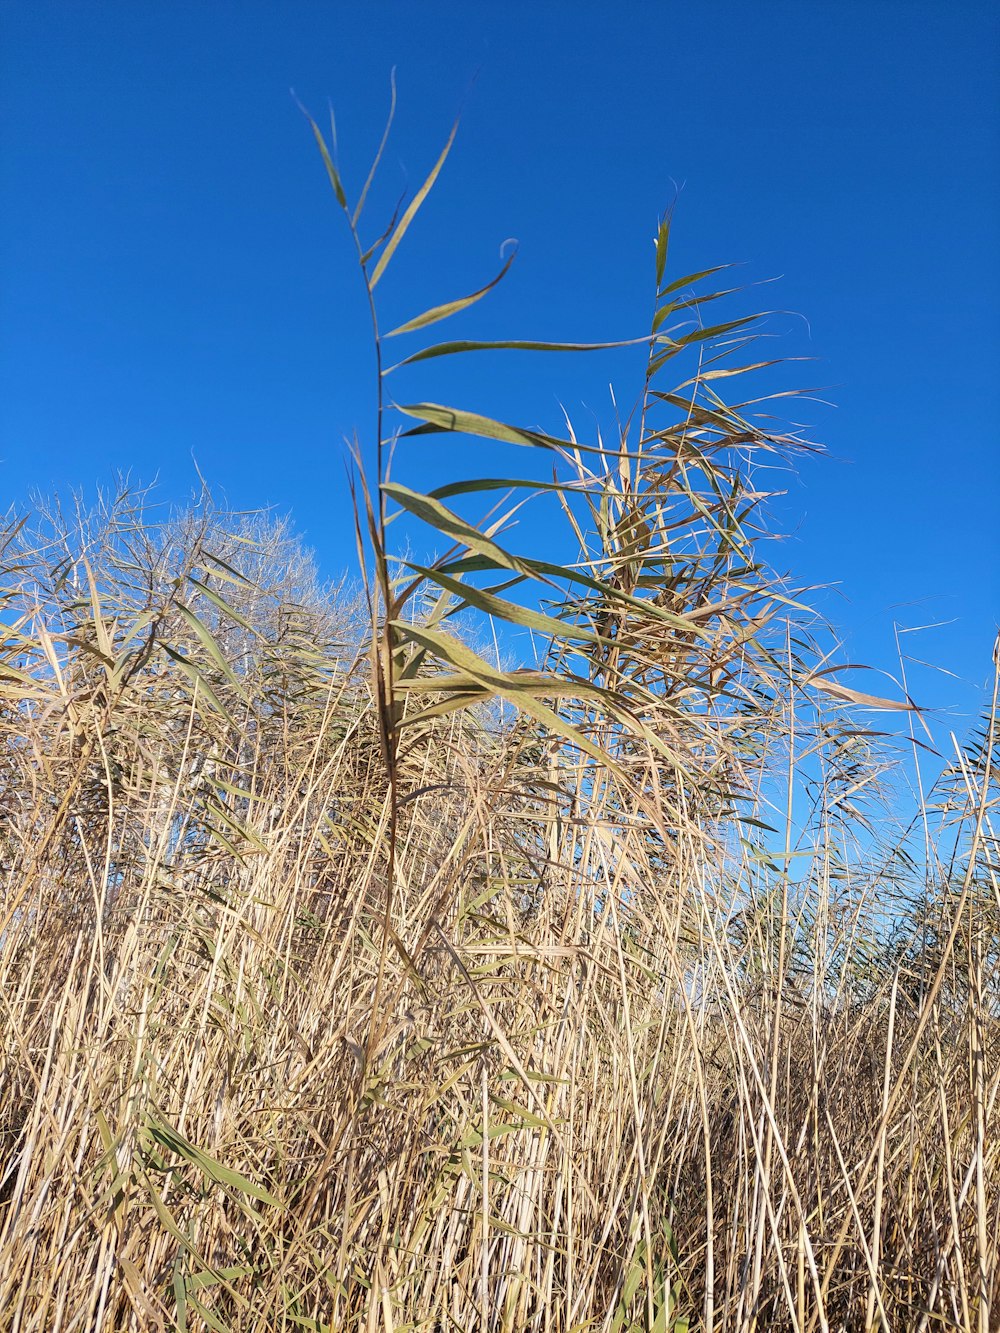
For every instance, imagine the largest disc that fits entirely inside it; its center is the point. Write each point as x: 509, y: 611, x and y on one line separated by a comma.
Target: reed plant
x: 359, y: 973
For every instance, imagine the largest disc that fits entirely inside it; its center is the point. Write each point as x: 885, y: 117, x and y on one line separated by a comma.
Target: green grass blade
x: 453, y: 420
x: 461, y: 346
x: 501, y: 684
x: 222, y: 605
x: 449, y: 308
x: 510, y: 612
x: 444, y: 520
x: 662, y: 241
x: 411, y: 212
x: 331, y: 170
x: 207, y: 640
x: 175, y: 1142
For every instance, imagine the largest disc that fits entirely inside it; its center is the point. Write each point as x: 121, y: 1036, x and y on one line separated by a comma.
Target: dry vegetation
x: 352, y: 980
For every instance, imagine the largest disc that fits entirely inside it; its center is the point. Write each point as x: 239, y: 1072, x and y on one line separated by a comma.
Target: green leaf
x: 209, y: 644
x: 716, y: 330
x: 501, y: 684
x: 220, y: 604
x: 519, y: 681
x: 473, y: 1137
x: 662, y: 239
x: 664, y: 312
x: 441, y: 518
x: 331, y: 170
x: 199, y: 679
x: 692, y: 279
x: 687, y: 622
x: 309, y: 1322
x: 167, y: 1220
x: 180, y: 1298
x: 231, y: 574
x: 525, y: 1117
x: 411, y: 212
x: 206, y: 1314
x: 171, y: 1139
x: 212, y: 1277
x: 510, y: 612
x: 377, y: 245
x: 438, y: 419
x: 449, y: 308
x: 381, y: 149
x: 512, y: 345
x: 476, y: 484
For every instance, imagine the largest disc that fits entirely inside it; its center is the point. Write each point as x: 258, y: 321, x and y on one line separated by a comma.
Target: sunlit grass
x: 336, y: 998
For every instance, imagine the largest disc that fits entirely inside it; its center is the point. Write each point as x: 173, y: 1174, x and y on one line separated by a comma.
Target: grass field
x: 358, y: 977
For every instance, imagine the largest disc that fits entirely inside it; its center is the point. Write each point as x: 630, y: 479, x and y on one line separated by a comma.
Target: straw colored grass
x: 353, y: 979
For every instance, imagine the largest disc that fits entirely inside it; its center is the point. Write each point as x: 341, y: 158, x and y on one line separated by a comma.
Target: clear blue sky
x: 175, y: 278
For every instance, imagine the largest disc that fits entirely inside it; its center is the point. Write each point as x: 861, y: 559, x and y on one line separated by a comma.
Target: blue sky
x: 176, y: 279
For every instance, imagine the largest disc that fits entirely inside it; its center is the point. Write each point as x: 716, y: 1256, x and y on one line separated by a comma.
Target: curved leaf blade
x: 511, y: 612
x: 460, y: 346
x: 448, y: 308
x: 453, y: 420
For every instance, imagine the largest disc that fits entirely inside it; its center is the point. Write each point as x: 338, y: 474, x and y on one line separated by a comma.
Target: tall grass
x: 354, y: 978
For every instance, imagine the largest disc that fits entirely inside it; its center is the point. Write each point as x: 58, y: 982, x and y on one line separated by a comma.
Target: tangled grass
x: 352, y: 979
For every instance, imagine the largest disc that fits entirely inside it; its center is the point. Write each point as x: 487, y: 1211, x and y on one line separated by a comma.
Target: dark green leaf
x: 458, y: 347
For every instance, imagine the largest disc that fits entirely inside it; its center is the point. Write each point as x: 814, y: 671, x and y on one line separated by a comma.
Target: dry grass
x: 335, y: 998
